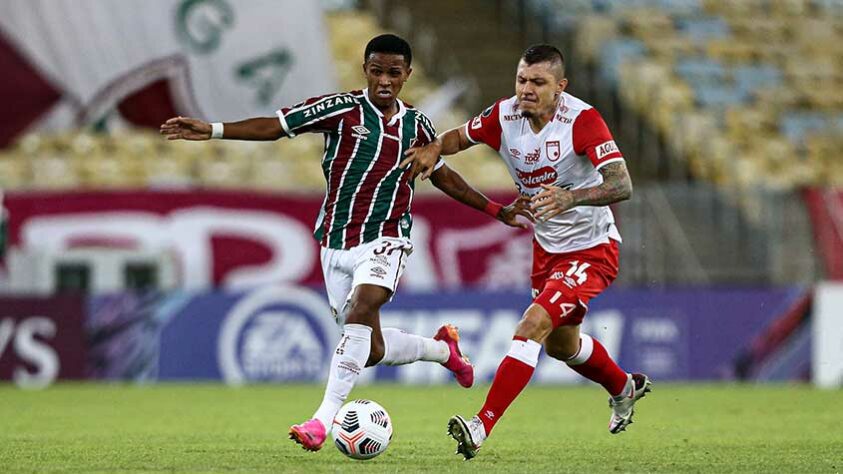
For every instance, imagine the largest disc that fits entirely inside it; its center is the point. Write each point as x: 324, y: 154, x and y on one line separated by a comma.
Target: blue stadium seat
x: 670, y: 6
x: 702, y: 30
x: 698, y: 71
x: 614, y: 53
x: 753, y: 77
x: 719, y: 95
x: 796, y: 126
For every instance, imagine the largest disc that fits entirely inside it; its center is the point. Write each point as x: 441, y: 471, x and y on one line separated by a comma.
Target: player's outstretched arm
x: 451, y: 183
x: 616, y: 187
x: 186, y: 128
x: 425, y: 158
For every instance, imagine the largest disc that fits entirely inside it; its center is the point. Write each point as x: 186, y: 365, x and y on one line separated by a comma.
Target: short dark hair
x: 389, y: 44
x: 540, y: 53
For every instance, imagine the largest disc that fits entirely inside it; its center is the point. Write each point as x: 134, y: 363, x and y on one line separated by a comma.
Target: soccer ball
x: 362, y: 429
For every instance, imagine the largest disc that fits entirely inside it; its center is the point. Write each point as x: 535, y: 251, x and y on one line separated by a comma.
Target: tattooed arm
x: 616, y: 187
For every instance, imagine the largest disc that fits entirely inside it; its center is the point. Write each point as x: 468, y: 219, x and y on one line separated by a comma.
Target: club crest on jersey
x: 360, y: 132
x: 475, y: 124
x: 552, y: 150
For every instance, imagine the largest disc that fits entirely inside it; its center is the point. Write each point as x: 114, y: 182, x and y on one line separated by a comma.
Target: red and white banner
x: 826, y: 209
x: 74, y: 63
x: 243, y: 239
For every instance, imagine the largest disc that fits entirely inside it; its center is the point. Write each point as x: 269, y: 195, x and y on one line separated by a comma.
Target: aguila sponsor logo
x: 534, y: 179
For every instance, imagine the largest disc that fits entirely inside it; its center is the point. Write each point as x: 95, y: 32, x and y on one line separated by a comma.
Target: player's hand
x: 519, y: 207
x: 186, y: 128
x: 423, y: 159
x: 551, y: 202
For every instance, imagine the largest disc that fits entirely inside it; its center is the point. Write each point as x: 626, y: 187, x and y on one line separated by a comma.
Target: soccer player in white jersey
x: 364, y: 225
x: 561, y: 154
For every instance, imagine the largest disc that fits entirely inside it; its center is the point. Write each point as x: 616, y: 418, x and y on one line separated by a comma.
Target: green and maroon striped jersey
x: 368, y: 196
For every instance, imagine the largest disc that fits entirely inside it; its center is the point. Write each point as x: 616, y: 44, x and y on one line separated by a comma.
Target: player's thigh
x: 338, y: 281
x: 575, y: 279
x: 381, y: 263
x: 563, y: 343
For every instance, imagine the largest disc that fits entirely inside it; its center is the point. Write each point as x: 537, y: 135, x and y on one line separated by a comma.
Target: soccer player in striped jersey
x: 365, y: 221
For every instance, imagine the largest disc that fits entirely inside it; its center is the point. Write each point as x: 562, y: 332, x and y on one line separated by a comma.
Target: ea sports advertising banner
x: 243, y: 239
x: 42, y: 339
x: 286, y: 333
x: 71, y: 63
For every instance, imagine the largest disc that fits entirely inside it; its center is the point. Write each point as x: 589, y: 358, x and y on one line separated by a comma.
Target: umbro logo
x: 360, y: 132
x: 379, y: 271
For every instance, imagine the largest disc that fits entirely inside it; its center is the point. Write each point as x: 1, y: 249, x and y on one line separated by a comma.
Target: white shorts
x: 380, y: 262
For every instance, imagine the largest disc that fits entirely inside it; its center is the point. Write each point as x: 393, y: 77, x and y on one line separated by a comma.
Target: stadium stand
x: 749, y: 92
x: 134, y: 158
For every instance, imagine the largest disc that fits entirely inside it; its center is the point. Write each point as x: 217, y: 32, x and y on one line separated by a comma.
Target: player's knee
x: 376, y: 352
x: 561, y: 350
x: 365, y: 305
x: 362, y: 311
x: 535, y: 324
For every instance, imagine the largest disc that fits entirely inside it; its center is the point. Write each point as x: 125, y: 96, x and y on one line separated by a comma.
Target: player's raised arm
x: 424, y: 158
x: 186, y: 128
x: 451, y: 183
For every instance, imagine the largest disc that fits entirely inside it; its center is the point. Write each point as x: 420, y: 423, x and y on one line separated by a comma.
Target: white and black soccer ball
x: 362, y: 429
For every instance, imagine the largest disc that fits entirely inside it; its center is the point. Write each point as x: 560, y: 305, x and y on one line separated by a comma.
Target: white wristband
x: 216, y: 130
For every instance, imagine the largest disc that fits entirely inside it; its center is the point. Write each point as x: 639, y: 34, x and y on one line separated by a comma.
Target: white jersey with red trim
x: 567, y: 152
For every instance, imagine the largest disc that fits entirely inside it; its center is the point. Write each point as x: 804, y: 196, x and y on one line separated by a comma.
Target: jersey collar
x: 402, y: 109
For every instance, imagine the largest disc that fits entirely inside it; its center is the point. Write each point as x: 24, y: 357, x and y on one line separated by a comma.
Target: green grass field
x: 212, y: 428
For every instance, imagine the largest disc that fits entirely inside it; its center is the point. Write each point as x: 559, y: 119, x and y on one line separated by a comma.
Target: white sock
x: 348, y: 360
x: 404, y: 348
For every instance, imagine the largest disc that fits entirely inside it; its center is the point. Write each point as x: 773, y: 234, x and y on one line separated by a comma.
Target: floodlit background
x: 129, y: 258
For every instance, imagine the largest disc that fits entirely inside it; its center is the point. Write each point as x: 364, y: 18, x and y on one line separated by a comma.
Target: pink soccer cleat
x: 457, y: 363
x: 310, y: 435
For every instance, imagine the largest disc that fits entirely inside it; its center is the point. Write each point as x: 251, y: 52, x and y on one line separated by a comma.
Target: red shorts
x: 563, y: 283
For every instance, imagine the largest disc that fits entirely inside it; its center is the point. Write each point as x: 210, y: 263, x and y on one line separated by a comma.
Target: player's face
x: 537, y: 88
x: 385, y: 75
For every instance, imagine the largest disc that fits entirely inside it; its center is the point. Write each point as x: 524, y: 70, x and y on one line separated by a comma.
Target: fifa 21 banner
x: 286, y: 333
x: 244, y: 239
x: 42, y: 339
x: 71, y: 63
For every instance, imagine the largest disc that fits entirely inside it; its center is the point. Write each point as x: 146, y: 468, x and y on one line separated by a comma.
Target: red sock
x: 512, y: 376
x: 593, y: 362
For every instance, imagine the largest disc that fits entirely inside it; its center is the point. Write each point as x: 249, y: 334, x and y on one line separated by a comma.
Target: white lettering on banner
x: 515, y: 271
x: 31, y: 350
x: 661, y: 330
x: 421, y: 273
x: 259, y: 341
x: 188, y: 233
x: 486, y: 339
x: 827, y: 334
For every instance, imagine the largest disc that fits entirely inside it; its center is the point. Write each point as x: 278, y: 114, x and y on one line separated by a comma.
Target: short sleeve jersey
x: 568, y: 152
x: 368, y: 196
